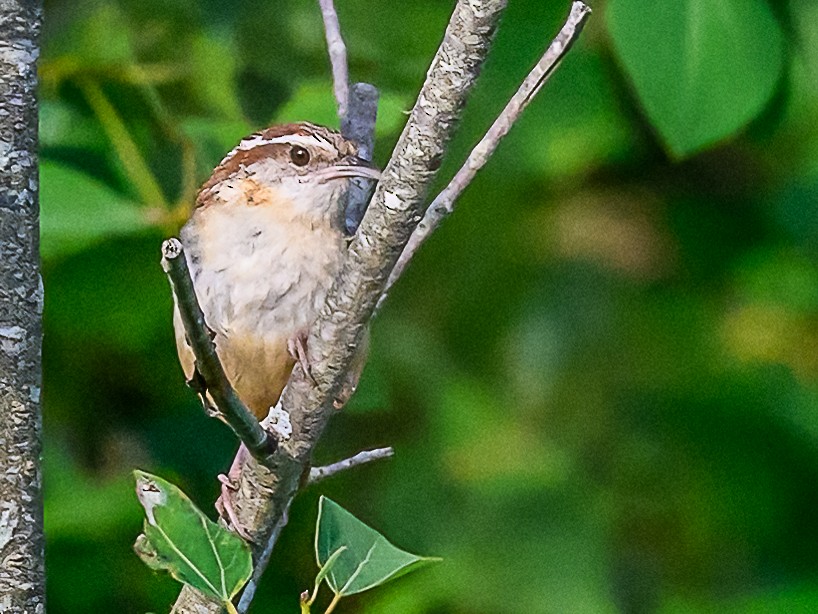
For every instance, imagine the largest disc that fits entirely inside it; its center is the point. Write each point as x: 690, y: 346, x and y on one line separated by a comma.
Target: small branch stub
x: 357, y: 110
x: 199, y: 337
x: 317, y: 474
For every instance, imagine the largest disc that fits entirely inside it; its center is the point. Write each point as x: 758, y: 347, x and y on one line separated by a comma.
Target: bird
x: 264, y: 244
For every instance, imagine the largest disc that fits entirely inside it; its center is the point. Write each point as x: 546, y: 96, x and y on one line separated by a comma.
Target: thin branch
x: 261, y: 562
x: 337, y: 55
x: 318, y: 474
x: 260, y: 444
x: 443, y: 204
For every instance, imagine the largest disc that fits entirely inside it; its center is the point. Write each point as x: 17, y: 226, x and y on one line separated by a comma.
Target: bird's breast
x: 259, y: 271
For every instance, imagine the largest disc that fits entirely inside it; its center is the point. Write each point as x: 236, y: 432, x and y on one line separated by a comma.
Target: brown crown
x: 239, y: 158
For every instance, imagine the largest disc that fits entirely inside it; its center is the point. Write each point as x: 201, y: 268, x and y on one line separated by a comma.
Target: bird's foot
x: 297, y: 347
x: 230, y: 484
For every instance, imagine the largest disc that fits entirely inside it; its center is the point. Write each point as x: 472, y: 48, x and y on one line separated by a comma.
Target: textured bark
x: 265, y: 494
x: 22, y: 574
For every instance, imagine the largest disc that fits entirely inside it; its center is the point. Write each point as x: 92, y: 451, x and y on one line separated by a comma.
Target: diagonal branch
x: 443, y: 204
x: 260, y: 444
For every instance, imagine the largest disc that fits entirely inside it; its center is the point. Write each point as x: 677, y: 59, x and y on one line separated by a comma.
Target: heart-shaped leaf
x: 702, y: 69
x: 358, y: 557
x: 181, y: 540
x: 78, y: 211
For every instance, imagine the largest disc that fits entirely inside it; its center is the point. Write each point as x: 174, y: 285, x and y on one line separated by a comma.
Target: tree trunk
x: 22, y: 573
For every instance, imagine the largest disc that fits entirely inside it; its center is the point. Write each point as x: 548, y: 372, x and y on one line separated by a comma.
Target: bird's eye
x: 299, y: 156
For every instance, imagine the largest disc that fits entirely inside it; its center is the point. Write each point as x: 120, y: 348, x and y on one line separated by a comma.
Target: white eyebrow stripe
x: 295, y: 139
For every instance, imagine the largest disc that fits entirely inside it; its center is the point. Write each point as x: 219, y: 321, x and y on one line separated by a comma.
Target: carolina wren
x: 264, y: 244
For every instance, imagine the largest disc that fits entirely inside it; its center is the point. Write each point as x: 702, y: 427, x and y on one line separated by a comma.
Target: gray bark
x: 22, y: 573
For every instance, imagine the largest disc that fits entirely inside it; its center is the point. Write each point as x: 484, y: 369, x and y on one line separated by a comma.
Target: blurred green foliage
x: 600, y: 377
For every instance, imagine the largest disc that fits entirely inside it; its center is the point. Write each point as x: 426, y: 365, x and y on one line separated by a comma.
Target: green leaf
x: 368, y: 559
x: 180, y: 539
x: 702, y: 69
x: 322, y: 573
x: 77, y: 211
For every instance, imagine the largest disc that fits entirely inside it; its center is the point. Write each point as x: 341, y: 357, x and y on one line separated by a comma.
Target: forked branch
x: 266, y: 492
x: 443, y: 204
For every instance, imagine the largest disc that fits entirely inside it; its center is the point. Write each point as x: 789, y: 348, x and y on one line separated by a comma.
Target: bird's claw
x: 297, y: 347
x: 230, y: 485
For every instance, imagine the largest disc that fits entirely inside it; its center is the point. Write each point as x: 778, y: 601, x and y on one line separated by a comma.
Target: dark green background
x: 600, y: 376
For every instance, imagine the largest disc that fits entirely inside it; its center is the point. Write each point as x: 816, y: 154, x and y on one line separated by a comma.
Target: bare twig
x: 337, y: 55
x: 260, y: 566
x: 361, y: 458
x: 443, y: 204
x: 260, y: 444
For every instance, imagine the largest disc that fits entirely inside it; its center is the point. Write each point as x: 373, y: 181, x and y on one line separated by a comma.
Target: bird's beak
x: 351, y: 166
